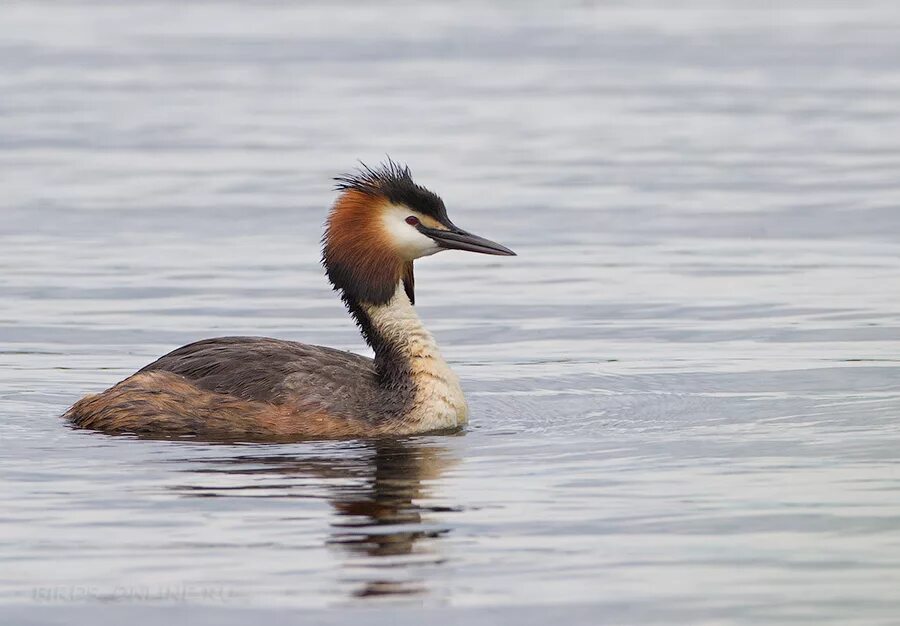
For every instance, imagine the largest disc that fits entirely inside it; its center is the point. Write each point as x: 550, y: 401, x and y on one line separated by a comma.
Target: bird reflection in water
x: 385, y: 521
x: 383, y: 525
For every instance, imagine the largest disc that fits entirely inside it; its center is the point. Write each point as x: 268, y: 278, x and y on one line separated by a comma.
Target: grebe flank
x: 256, y: 387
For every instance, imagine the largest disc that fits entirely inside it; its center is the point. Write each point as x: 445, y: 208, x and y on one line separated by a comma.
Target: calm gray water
x: 685, y: 391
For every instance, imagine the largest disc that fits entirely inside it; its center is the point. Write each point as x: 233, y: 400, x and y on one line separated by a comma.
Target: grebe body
x: 257, y: 387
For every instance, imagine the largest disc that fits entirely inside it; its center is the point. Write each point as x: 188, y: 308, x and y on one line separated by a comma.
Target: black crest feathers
x: 393, y: 181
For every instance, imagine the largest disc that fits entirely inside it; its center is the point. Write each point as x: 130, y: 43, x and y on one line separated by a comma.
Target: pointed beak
x: 458, y: 239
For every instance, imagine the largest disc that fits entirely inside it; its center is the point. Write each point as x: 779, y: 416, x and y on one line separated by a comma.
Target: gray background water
x: 685, y: 391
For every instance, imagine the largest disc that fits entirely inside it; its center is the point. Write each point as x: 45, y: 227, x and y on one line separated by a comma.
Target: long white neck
x: 438, y: 402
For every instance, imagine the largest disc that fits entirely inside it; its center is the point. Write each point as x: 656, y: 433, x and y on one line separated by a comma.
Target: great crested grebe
x: 233, y: 387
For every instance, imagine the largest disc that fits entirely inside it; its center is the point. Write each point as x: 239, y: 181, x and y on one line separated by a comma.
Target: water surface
x: 685, y: 391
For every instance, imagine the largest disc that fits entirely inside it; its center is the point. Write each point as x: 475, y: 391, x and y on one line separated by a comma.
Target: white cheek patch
x: 408, y: 241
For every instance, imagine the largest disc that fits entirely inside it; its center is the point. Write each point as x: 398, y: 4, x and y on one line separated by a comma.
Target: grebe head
x: 381, y: 222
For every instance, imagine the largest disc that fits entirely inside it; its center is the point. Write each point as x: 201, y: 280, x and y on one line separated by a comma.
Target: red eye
x: 412, y: 220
